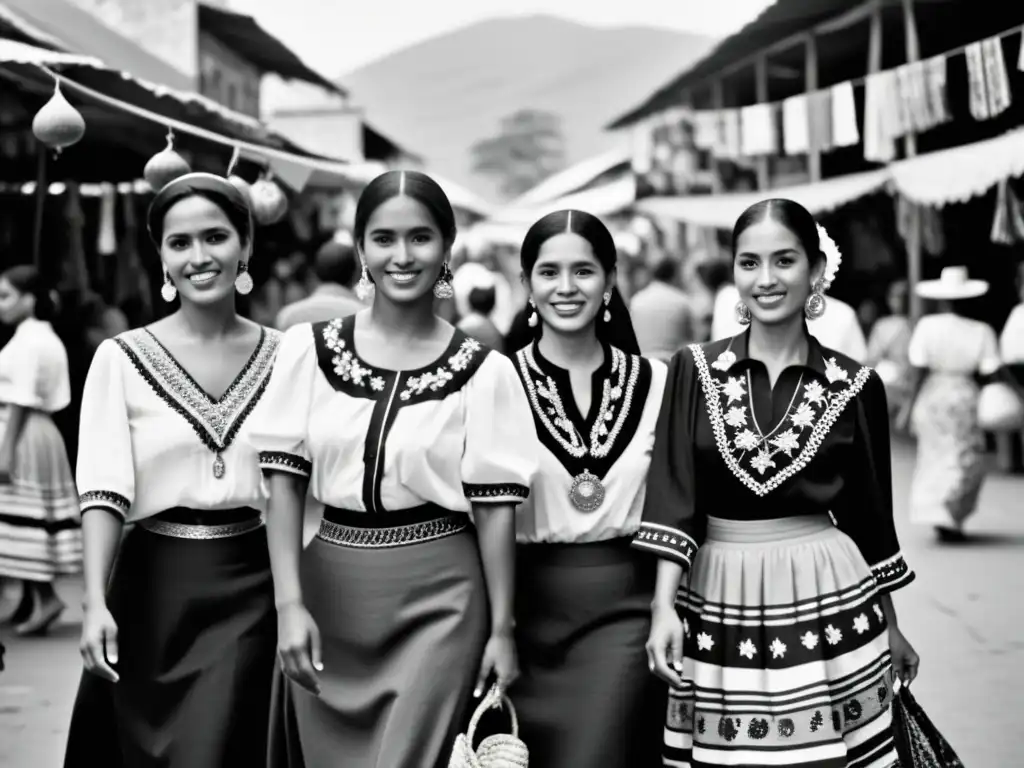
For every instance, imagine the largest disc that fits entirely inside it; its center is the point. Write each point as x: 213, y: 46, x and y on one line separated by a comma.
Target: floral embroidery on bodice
x: 215, y: 421
x: 787, y: 449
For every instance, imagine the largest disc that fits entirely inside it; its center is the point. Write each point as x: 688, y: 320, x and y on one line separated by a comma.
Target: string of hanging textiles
x: 911, y: 98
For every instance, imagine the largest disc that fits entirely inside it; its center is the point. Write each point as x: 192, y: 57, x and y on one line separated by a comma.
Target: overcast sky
x: 338, y: 36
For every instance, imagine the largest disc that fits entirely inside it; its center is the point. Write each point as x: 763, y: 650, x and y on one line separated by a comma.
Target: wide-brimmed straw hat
x: 953, y: 283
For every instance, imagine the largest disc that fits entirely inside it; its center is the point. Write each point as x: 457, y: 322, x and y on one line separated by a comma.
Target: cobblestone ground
x: 965, y: 615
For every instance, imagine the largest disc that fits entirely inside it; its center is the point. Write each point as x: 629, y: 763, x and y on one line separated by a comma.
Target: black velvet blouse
x: 728, y: 445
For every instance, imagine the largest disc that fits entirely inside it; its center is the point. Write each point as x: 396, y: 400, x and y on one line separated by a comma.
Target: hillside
x: 439, y: 97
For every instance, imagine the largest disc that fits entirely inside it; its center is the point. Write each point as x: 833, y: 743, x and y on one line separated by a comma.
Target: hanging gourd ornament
x: 58, y: 124
x: 237, y: 181
x: 269, y: 203
x: 165, y: 166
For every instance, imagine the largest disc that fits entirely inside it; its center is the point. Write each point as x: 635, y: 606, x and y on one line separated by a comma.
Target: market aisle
x: 963, y: 614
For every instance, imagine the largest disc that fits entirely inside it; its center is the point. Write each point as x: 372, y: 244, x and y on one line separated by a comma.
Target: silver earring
x: 167, y: 291
x: 742, y: 313
x: 243, y: 281
x: 443, y: 285
x: 532, y: 318
x: 815, y: 305
x: 364, y: 288
x: 607, y: 312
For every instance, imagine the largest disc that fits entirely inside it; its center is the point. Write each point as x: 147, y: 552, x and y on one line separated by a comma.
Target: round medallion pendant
x: 587, y: 492
x: 218, y: 467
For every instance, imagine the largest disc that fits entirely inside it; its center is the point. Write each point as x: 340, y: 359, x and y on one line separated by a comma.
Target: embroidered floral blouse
x: 613, y: 442
x: 452, y: 433
x: 151, y: 439
x: 825, y: 448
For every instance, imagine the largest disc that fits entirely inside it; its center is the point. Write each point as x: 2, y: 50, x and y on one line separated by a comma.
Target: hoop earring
x: 443, y: 285
x: 243, y: 282
x: 742, y: 313
x: 532, y: 319
x: 168, y: 291
x: 607, y: 317
x: 364, y: 288
x: 815, y: 305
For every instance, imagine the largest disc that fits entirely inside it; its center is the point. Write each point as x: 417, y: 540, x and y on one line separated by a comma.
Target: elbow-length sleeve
x: 105, y: 471
x: 500, y: 453
x: 866, y: 514
x: 671, y: 528
x: 279, y: 428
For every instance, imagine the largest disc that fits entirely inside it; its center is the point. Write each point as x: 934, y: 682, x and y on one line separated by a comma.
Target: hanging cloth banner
x: 997, y: 82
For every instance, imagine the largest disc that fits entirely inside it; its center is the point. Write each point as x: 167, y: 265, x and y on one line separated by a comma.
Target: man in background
x: 478, y: 324
x: 662, y: 313
x: 335, y: 267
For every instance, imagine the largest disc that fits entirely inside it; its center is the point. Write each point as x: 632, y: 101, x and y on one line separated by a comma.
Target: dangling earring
x: 243, y: 281
x: 364, y: 288
x: 607, y: 312
x: 443, y: 285
x: 532, y: 318
x: 742, y: 313
x: 168, y: 292
x: 814, y: 307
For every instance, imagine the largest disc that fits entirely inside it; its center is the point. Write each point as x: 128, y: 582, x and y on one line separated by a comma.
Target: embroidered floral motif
x: 725, y: 361
x: 775, y: 457
x: 106, y: 499
x: 437, y: 379
x: 346, y: 364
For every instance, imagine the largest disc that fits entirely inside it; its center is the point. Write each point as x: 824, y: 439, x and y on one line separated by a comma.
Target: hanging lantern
x: 269, y: 203
x: 165, y: 166
x: 58, y: 124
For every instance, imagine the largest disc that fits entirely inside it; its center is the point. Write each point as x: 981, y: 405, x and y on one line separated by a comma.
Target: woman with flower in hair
x: 178, y: 642
x: 400, y: 609
x: 769, y: 506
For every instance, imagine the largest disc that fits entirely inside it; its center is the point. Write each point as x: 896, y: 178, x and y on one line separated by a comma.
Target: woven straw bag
x: 497, y: 751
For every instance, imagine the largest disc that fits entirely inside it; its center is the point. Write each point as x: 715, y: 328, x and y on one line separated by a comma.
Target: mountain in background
x: 439, y: 97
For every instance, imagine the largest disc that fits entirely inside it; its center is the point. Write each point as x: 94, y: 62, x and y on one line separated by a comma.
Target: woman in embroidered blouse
x: 401, y: 425
x: 770, y: 496
x: 39, y: 533
x: 585, y: 697
x: 179, y: 648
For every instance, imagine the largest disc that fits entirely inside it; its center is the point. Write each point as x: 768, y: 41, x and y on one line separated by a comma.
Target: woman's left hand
x: 501, y: 660
x: 905, y: 661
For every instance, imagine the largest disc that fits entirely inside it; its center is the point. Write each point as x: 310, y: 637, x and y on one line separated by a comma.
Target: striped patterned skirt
x: 786, y: 652
x: 40, y: 535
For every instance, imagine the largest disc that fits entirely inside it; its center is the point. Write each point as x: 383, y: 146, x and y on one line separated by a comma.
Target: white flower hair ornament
x: 833, y: 258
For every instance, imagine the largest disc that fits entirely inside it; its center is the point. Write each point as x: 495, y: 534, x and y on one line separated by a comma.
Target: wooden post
x: 40, y: 208
x: 761, y: 73
x: 717, y: 104
x: 914, y: 237
x: 810, y: 86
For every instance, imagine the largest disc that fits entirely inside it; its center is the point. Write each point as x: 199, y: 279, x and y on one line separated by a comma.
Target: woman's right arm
x: 279, y: 435
x: 106, y: 485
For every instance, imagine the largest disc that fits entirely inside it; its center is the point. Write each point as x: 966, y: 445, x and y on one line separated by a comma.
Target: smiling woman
x: 165, y: 447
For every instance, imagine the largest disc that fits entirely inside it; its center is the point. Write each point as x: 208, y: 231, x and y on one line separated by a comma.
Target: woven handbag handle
x: 494, y: 699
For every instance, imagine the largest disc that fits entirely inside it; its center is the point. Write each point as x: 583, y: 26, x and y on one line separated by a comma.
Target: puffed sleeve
x: 500, y: 453
x: 671, y: 527
x: 279, y: 426
x: 865, y: 512
x: 105, y: 469
x: 918, y: 351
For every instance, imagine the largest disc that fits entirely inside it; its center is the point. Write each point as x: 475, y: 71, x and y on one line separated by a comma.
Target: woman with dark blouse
x: 770, y: 500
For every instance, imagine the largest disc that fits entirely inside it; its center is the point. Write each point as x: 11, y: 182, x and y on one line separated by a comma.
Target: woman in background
x: 950, y: 354
x: 585, y: 697
x: 401, y: 425
x: 178, y: 643
x: 888, y: 344
x: 39, y: 532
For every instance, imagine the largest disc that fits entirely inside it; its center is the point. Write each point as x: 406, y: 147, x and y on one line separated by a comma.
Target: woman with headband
x: 770, y: 500
x: 585, y: 697
x: 401, y: 425
x: 178, y: 642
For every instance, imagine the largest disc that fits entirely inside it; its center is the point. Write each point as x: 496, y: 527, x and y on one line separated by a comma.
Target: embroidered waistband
x: 182, y: 523
x: 398, y: 528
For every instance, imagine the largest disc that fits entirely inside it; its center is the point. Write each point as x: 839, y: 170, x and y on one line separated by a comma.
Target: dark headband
x: 206, y: 184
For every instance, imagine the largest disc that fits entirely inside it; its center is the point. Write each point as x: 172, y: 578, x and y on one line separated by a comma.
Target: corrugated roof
x: 79, y: 31
x: 246, y: 37
x: 775, y: 23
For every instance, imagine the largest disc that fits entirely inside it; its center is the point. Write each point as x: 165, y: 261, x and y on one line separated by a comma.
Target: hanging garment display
x: 913, y: 93
x: 935, y: 84
x: 976, y: 82
x: 1008, y: 222
x: 997, y: 82
x: 757, y: 130
x: 844, y: 116
x: 796, y: 136
x: 705, y: 126
x: 729, y: 149
x: 819, y: 108
x: 879, y: 144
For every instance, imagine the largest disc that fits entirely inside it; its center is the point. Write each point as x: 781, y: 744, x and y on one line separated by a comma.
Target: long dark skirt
x: 586, y: 698
x: 197, y: 642
x: 402, y: 630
